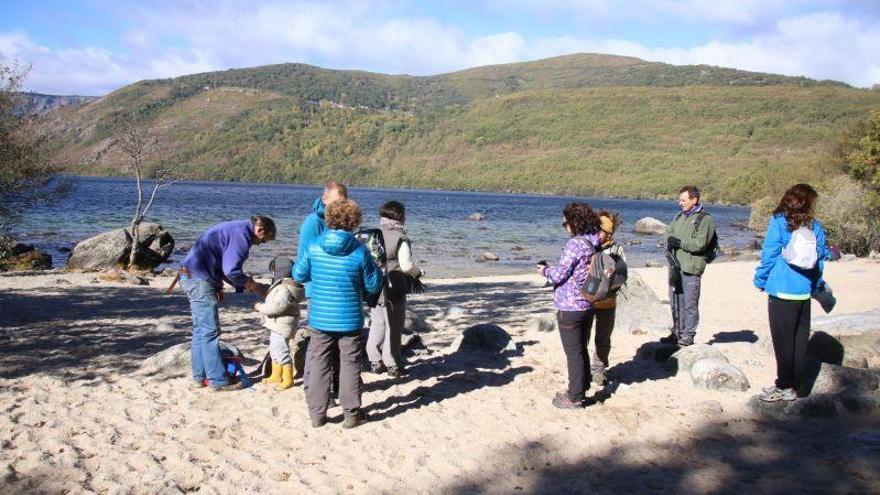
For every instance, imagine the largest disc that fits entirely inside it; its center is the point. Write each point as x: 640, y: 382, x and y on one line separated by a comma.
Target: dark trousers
x: 790, y: 330
x: 686, y: 306
x: 323, y: 348
x: 604, y: 327
x: 574, y: 330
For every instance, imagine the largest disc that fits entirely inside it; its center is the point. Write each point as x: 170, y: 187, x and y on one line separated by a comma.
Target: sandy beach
x: 80, y: 413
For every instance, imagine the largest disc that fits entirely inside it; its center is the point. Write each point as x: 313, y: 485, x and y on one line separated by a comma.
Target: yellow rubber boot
x: 276, y: 374
x: 286, y: 377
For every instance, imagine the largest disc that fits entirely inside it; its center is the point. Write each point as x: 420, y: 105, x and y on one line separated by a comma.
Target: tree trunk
x: 135, y: 243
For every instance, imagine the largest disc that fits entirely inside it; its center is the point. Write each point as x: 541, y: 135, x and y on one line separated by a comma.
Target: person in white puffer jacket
x: 280, y: 314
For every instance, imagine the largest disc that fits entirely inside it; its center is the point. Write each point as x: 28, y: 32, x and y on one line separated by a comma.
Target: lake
x: 520, y: 228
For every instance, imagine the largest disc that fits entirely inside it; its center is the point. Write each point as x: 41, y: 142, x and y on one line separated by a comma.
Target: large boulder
x: 867, y: 322
x: 25, y: 257
x: 639, y: 310
x: 111, y: 249
x: 718, y: 374
x: 854, y: 351
x: 170, y: 363
x: 818, y: 406
x: 483, y: 338
x: 833, y: 379
x: 684, y: 358
x: 413, y: 323
x: 649, y: 226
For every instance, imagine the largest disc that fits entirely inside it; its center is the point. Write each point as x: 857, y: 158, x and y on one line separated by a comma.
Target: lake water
x: 521, y: 229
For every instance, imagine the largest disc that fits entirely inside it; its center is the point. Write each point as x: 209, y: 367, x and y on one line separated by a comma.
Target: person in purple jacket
x: 217, y: 257
x: 574, y: 314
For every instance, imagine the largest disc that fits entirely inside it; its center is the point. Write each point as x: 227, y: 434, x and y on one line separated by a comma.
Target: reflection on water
x: 521, y: 229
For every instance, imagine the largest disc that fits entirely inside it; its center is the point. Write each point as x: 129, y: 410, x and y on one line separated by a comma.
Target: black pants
x: 574, y: 330
x: 790, y: 330
x: 604, y: 327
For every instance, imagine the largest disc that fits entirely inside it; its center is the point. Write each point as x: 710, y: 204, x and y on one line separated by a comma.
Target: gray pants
x: 604, y: 327
x: 686, y: 306
x: 323, y: 348
x: 279, y: 348
x: 386, y: 327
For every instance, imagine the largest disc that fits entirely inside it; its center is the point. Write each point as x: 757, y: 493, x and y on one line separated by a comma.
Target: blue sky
x: 95, y: 46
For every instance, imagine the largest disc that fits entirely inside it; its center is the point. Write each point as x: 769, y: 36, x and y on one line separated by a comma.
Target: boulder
x: 414, y: 323
x: 489, y: 256
x: 111, y: 249
x: 684, y: 358
x: 818, y: 406
x: 25, y: 257
x: 639, y: 310
x: 867, y: 322
x: 649, y: 226
x: 483, y: 338
x: 834, y: 379
x: 854, y: 351
x: 169, y: 363
x: 718, y: 374
x: 477, y: 217
x: 656, y: 351
x: 542, y: 323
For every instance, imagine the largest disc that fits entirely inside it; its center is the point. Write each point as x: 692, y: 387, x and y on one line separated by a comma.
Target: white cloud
x: 206, y: 36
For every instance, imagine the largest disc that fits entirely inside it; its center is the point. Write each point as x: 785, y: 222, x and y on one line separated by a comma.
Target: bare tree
x: 138, y: 145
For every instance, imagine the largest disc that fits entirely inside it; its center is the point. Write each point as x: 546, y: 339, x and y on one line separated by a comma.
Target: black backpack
x: 375, y: 243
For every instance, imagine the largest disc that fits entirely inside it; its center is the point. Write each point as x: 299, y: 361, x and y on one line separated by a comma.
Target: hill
x: 40, y: 104
x: 584, y: 123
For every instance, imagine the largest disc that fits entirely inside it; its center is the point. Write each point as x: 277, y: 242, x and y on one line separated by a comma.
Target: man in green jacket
x: 689, y: 242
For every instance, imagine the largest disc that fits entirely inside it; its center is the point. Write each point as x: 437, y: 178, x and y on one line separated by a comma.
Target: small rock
x: 413, y: 323
x: 542, y: 323
x: 518, y: 248
x: 168, y: 272
x: 122, y: 277
x: 633, y: 242
x: 718, y: 374
x: 483, y: 338
x: 61, y: 281
x: 455, y: 312
x: 684, y: 358
x: 710, y: 407
x: 649, y: 226
x: 477, y: 217
x: 163, y: 327
x: 490, y: 256
x: 654, y: 264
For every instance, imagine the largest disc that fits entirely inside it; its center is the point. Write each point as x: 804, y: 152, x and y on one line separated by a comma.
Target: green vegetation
x: 584, y: 124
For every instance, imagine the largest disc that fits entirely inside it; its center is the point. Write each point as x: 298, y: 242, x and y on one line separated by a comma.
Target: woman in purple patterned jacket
x: 574, y: 314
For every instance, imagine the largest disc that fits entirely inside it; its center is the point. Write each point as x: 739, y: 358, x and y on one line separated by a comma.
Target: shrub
x: 844, y: 210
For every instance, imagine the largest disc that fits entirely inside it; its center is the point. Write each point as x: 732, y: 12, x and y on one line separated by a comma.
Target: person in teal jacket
x: 314, y: 225
x: 789, y: 289
x: 341, y: 272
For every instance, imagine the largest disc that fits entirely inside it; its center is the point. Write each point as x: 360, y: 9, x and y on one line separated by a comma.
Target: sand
x: 78, y: 415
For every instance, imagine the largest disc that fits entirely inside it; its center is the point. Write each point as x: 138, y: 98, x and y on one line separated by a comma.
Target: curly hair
x: 343, y: 214
x: 581, y: 218
x: 797, y: 206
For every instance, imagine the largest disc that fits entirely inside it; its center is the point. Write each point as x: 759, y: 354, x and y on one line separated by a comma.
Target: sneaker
x: 685, y: 341
x: 378, y: 368
x: 354, y: 419
x: 564, y: 401
x: 776, y: 394
x: 669, y: 339
x: 229, y: 387
x: 317, y: 423
x: 395, y: 372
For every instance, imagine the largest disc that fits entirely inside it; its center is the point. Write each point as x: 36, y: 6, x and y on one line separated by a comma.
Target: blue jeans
x: 206, y: 359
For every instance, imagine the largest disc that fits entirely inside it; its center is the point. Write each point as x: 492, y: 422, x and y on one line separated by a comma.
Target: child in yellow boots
x: 280, y: 314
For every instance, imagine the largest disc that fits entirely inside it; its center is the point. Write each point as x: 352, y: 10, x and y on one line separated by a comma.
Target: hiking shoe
x: 378, y: 368
x: 317, y: 423
x: 229, y: 387
x: 685, y: 341
x: 776, y: 394
x: 395, y: 372
x: 564, y: 401
x: 669, y: 339
x: 354, y: 419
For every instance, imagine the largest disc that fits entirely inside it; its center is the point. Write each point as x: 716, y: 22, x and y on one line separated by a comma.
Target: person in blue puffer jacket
x: 789, y: 289
x: 341, y: 272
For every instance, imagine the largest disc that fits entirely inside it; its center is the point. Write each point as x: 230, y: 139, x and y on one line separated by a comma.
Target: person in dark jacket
x: 789, y: 288
x: 388, y: 316
x: 217, y: 256
x: 574, y: 314
x: 340, y: 271
x: 689, y: 236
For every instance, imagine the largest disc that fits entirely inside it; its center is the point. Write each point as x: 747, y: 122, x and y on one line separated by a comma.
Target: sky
x: 92, y: 47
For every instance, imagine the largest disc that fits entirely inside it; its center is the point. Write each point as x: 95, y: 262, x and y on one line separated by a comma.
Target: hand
x: 673, y: 242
